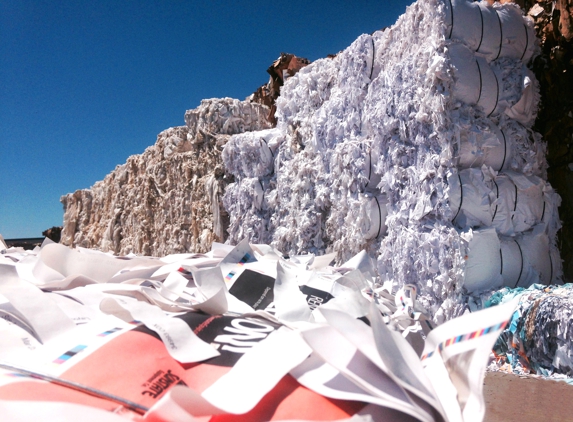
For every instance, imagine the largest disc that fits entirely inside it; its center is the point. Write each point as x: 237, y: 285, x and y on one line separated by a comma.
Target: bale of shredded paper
x: 167, y: 199
x: 394, y: 114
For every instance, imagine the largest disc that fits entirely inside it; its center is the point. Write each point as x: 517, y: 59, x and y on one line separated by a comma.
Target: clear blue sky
x: 86, y: 84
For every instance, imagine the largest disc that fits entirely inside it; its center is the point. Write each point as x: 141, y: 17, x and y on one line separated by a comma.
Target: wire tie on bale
x: 76, y: 386
x: 461, y: 197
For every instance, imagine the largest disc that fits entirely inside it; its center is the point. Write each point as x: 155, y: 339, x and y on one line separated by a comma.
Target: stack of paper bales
x: 167, y: 199
x: 415, y: 144
x: 436, y: 104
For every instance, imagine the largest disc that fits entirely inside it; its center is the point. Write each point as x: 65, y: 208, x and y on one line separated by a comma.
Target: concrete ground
x: 513, y: 398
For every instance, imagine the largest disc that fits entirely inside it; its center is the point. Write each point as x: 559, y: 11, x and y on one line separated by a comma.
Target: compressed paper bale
x: 518, y: 40
x: 527, y: 150
x: 504, y: 206
x: 251, y: 154
x: 354, y: 218
x: 301, y: 201
x: 168, y: 199
x: 528, y: 209
x: 464, y: 22
x: 430, y: 258
x: 492, y: 31
x: 407, y: 114
x: 357, y: 221
x: 483, y: 265
x: 482, y: 143
x: 510, y: 74
x: 506, y: 145
x: 333, y: 117
x: 523, y: 202
x: 494, y: 87
x: 303, y: 94
x: 352, y: 167
x: 340, y: 118
x: 405, y: 109
x: 471, y: 197
x: 529, y: 258
x: 225, y: 116
x: 249, y: 210
x: 301, y: 195
x: 476, y: 83
x: 494, y: 261
x: 398, y: 111
x: 510, y: 202
x: 540, y: 331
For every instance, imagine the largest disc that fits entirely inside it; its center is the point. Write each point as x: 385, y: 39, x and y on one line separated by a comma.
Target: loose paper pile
x: 233, y: 334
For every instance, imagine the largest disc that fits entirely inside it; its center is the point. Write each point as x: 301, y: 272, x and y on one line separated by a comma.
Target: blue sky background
x: 86, y: 84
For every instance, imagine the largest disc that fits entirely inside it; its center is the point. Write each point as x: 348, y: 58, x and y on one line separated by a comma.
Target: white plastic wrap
x: 483, y: 266
x: 356, y: 221
x: 376, y: 213
x: 518, y: 40
x: 470, y: 198
x: 525, y: 110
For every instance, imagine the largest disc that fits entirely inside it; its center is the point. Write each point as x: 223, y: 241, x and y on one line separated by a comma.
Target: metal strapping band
x: 504, y: 150
x: 481, y: 16
x: 369, y: 169
x: 515, y: 204
x: 76, y: 386
x: 500, y: 34
x: 480, y: 82
x: 452, y: 14
x: 526, y: 42
x: 496, y: 97
x: 373, y: 50
x: 521, y: 270
x: 461, y: 197
x: 550, y: 263
x: 497, y: 193
x: 263, y: 140
x: 380, y: 216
